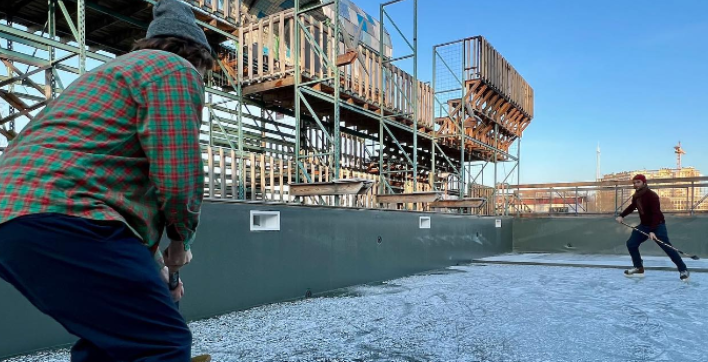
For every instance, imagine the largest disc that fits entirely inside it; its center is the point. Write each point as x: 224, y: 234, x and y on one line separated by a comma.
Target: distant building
x: 673, y: 199
x: 552, y: 201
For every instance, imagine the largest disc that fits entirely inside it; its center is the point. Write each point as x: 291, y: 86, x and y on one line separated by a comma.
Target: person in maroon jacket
x: 652, y: 223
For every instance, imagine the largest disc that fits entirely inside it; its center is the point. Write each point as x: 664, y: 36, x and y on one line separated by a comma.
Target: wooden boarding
x: 359, y: 80
x: 346, y: 58
x: 474, y: 202
x: 337, y: 187
x: 409, y: 198
x: 269, y: 85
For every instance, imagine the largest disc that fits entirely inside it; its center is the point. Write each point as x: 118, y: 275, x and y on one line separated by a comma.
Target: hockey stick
x: 174, y: 283
x: 694, y: 257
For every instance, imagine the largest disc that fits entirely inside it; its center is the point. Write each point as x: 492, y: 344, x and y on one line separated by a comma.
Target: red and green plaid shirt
x: 120, y: 143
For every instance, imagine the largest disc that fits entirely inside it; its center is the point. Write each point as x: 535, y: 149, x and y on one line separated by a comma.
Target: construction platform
x: 358, y: 114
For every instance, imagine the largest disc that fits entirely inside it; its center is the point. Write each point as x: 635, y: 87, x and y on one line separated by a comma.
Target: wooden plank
x: 290, y: 178
x: 249, y: 46
x: 263, y: 177
x: 281, y: 43
x: 253, y: 176
x: 271, y: 46
x: 474, y: 202
x: 13, y: 100
x: 321, y: 57
x: 272, y: 179
x: 234, y: 181
x: 340, y: 187
x: 239, y: 66
x: 345, y: 78
x: 330, y: 41
x: 360, y: 79
x: 222, y: 169
x: 373, y: 198
x: 313, y: 175
x: 367, y: 80
x: 210, y: 167
x: 303, y: 41
x: 378, y: 82
x: 408, y: 198
x: 280, y: 178
x: 346, y: 58
x: 260, y: 48
x: 269, y: 85
x: 310, y: 24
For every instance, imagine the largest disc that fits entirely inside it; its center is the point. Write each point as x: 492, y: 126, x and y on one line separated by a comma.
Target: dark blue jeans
x: 638, y: 238
x: 100, y: 282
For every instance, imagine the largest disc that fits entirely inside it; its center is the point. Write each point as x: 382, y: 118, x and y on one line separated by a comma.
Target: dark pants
x: 638, y: 238
x: 100, y: 282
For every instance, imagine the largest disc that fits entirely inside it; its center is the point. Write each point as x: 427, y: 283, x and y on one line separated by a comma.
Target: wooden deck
x: 266, y: 63
x: 497, y: 105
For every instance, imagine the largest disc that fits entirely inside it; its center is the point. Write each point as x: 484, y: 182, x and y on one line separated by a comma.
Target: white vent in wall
x: 425, y: 222
x: 265, y: 220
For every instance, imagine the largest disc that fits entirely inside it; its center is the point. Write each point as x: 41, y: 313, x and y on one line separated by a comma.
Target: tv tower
x: 679, y: 151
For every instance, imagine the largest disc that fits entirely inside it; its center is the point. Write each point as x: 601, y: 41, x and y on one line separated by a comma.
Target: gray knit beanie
x: 175, y: 18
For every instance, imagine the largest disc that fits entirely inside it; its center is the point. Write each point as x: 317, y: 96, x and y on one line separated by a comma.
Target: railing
x: 265, y: 178
x: 677, y: 195
x: 268, y: 54
x: 484, y: 62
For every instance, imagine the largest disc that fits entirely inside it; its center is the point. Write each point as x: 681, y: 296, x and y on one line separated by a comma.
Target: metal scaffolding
x: 296, y: 97
x: 482, y: 106
x: 330, y: 126
x: 410, y: 163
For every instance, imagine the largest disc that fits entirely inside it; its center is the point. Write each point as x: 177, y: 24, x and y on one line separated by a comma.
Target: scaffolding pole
x: 331, y: 134
x: 412, y: 100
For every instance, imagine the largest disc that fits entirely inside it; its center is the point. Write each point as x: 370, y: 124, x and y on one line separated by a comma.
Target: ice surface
x: 477, y: 312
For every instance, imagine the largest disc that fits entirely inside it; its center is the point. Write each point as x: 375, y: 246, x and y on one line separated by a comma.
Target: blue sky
x: 631, y: 75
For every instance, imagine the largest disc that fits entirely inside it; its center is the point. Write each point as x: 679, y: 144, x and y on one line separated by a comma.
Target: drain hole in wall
x: 308, y: 294
x: 379, y: 240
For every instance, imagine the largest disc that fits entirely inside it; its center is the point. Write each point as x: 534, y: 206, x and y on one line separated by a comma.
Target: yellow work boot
x: 202, y: 358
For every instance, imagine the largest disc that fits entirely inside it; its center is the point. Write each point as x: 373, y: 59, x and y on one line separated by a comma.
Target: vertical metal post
x: 81, y: 25
x: 298, y: 74
x: 576, y: 200
x: 264, y: 115
x: 211, y: 125
x: 693, y: 193
x: 688, y: 199
x: 518, y: 171
x: 616, y: 200
x: 336, y: 152
x: 496, y: 146
x: 382, y: 60
x: 435, y: 132
x: 463, y: 109
x: 239, y: 120
x: 415, y: 98
x: 11, y: 109
x: 52, y: 25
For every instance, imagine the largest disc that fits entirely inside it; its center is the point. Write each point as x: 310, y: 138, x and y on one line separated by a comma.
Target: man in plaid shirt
x: 91, y: 183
